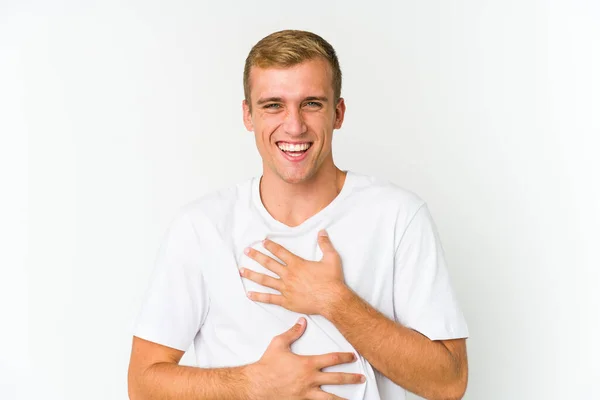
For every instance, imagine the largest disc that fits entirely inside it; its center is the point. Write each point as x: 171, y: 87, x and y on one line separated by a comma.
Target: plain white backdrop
x: 114, y: 114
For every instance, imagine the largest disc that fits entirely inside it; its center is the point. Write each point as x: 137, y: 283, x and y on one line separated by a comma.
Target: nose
x: 294, y: 123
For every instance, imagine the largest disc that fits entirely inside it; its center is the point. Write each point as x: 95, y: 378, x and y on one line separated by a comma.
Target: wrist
x: 341, y: 294
x: 252, y: 386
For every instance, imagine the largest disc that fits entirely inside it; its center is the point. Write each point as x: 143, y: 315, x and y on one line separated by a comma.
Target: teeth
x: 293, y: 147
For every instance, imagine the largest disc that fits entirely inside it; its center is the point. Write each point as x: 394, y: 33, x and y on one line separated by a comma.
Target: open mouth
x: 296, y: 150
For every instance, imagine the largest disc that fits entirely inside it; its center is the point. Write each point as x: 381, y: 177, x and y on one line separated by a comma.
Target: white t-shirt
x: 391, y: 256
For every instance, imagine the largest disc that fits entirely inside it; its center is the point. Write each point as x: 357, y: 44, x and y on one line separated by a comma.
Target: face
x: 293, y: 117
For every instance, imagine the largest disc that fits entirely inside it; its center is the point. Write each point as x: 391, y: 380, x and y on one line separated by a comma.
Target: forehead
x: 309, y: 78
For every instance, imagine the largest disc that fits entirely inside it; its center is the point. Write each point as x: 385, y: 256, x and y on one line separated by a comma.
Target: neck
x: 293, y: 203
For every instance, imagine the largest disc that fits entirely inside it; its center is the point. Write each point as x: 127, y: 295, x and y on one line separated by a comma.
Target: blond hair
x: 288, y: 48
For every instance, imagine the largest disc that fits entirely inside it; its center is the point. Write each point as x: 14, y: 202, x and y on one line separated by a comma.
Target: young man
x: 351, y: 263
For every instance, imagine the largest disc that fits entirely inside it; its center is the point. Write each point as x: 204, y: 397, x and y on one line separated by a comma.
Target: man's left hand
x: 306, y: 287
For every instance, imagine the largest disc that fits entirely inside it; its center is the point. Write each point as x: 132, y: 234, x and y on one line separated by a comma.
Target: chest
x: 364, y: 243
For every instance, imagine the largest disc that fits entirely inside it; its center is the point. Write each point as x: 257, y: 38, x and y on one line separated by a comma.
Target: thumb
x: 291, y: 335
x: 325, y: 244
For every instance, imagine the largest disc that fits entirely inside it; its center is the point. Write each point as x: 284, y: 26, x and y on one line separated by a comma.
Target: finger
x: 318, y: 394
x: 279, y: 251
x: 261, y: 279
x: 266, y: 298
x: 265, y: 261
x: 291, y: 335
x: 338, y: 378
x: 326, y: 245
x: 328, y: 360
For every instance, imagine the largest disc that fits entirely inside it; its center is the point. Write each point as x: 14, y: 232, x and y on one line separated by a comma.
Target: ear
x: 340, y: 111
x: 247, y: 116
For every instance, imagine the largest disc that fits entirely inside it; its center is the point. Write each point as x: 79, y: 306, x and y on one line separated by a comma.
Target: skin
x: 301, y: 108
x: 295, y: 104
x: 154, y: 373
x: 306, y: 187
x: 431, y: 369
x: 283, y: 109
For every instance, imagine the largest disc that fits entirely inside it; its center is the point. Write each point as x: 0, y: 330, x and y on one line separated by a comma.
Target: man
x: 354, y: 260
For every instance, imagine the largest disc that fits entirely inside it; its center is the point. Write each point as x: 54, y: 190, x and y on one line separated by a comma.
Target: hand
x: 281, y: 374
x: 306, y: 287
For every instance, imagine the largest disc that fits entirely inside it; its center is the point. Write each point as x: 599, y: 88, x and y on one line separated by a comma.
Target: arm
x: 154, y: 373
x: 172, y: 313
x: 178, y: 299
x: 431, y: 369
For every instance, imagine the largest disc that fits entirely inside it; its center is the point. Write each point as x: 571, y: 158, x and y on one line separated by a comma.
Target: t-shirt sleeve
x: 176, y: 301
x: 423, y: 297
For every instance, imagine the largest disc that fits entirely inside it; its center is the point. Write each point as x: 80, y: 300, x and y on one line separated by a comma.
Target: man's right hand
x: 282, y: 374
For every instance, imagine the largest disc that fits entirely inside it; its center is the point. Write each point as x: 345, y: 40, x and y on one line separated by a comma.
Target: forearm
x: 166, y: 381
x: 406, y: 357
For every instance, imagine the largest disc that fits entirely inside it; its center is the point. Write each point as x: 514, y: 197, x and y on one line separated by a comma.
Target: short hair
x: 288, y: 48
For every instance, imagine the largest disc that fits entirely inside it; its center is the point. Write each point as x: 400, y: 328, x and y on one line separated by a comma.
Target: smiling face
x: 293, y: 115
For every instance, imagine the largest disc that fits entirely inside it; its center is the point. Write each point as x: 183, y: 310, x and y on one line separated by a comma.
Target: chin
x: 295, y: 177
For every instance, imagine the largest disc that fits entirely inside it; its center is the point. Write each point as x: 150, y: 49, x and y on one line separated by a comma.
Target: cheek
x: 320, y: 120
x: 268, y: 122
x: 321, y: 125
x: 264, y: 129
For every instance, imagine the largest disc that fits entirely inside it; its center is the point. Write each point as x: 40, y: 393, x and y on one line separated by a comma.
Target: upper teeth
x: 293, y: 147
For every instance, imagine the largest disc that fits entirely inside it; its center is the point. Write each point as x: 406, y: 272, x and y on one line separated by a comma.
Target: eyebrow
x: 280, y: 99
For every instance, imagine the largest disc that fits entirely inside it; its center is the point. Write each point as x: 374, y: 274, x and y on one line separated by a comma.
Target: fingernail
x: 363, y: 379
x: 247, y: 250
x: 322, y: 232
x: 241, y: 271
x: 300, y: 321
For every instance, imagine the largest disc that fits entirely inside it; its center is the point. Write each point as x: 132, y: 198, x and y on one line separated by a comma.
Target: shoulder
x: 389, y: 196
x: 215, y: 207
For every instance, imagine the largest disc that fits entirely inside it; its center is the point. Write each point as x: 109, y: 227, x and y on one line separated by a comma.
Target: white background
x: 115, y: 114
